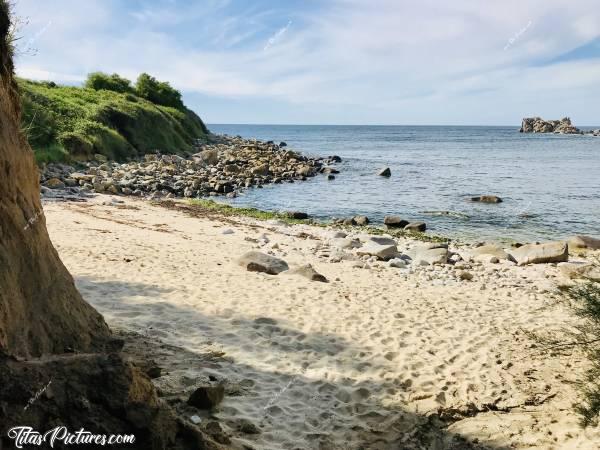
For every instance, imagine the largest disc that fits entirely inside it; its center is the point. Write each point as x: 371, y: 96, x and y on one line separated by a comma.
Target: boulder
x: 383, y: 252
x: 587, y: 242
x: 416, y: 227
x: 385, y: 172
x: 381, y: 240
x: 298, y: 215
x: 361, y: 220
x: 486, y: 199
x: 255, y: 261
x: 308, y: 271
x: 207, y: 397
x: 580, y: 269
x: 394, y: 222
x: 491, y: 250
x: 430, y: 256
x: 549, y: 252
x: 55, y: 183
x: 344, y: 243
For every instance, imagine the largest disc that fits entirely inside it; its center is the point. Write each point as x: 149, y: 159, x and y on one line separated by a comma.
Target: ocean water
x: 550, y: 183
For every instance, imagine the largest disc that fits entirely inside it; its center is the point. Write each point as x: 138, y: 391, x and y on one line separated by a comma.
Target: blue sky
x: 469, y: 62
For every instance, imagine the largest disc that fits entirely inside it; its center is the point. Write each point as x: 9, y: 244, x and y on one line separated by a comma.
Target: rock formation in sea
x: 539, y: 125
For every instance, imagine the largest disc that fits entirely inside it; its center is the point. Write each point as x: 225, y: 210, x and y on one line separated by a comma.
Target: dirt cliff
x: 40, y: 309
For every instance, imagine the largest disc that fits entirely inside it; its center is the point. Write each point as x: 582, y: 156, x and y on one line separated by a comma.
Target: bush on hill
x: 159, y: 92
x: 114, y: 82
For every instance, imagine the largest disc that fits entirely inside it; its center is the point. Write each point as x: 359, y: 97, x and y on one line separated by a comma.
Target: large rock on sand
x: 580, y: 269
x: 586, y: 242
x: 41, y: 311
x: 261, y: 262
x: 431, y: 256
x: 549, y: 252
x: 383, y: 252
x: 482, y: 252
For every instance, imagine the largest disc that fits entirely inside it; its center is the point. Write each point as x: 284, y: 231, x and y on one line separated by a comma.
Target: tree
x: 114, y: 82
x: 159, y: 92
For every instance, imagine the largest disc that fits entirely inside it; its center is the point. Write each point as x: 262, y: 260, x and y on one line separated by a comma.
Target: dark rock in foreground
x: 207, y: 397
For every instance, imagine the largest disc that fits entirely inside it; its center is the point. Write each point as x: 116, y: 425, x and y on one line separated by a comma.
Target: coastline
x: 379, y: 354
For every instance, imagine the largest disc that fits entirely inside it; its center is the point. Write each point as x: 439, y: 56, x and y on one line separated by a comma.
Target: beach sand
x: 379, y: 357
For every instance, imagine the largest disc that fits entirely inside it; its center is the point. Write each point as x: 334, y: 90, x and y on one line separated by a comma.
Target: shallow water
x: 550, y: 183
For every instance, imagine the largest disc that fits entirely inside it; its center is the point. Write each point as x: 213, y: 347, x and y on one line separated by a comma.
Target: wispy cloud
x: 277, y: 36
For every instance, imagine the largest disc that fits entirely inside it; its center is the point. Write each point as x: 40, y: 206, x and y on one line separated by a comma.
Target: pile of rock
x: 539, y: 125
x: 223, y: 167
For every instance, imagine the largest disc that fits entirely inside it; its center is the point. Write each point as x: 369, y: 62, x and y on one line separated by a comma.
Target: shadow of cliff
x: 191, y: 347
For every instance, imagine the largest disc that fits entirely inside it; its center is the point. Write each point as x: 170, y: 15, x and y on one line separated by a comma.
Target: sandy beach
x: 378, y: 357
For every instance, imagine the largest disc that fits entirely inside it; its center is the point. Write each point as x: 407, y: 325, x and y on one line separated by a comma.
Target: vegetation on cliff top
x: 108, y: 116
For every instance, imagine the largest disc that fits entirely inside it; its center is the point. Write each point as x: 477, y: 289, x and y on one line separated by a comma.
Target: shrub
x: 159, y: 92
x: 114, y: 82
x: 585, y: 300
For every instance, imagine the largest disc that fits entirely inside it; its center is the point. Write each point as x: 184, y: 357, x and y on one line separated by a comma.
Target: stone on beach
x: 297, y: 215
x: 491, y: 250
x: 580, y: 269
x: 383, y: 252
x: 586, y: 242
x: 549, y: 252
x: 428, y: 255
x: 385, y: 172
x: 308, y: 271
x: 207, y: 397
x: 394, y: 222
x: 416, y: 227
x: 361, y: 220
x: 255, y: 261
x: 381, y: 240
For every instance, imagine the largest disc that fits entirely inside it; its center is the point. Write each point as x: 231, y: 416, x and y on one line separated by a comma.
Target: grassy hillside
x: 66, y: 123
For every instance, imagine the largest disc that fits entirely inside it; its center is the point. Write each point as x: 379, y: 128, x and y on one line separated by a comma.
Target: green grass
x: 228, y: 210
x: 52, y: 153
x: 84, y: 122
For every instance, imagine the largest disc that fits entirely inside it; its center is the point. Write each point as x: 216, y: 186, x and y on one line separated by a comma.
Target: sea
x: 550, y: 184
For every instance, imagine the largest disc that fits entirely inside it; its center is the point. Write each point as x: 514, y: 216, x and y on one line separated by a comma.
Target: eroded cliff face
x: 40, y: 309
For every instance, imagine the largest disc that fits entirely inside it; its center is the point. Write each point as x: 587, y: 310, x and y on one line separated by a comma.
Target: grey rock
x: 549, y: 252
x: 395, y: 222
x: 308, y: 271
x: 255, y: 261
x: 416, y: 227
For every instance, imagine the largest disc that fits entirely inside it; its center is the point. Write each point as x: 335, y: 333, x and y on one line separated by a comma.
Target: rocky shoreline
x: 562, y: 126
x: 223, y: 166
